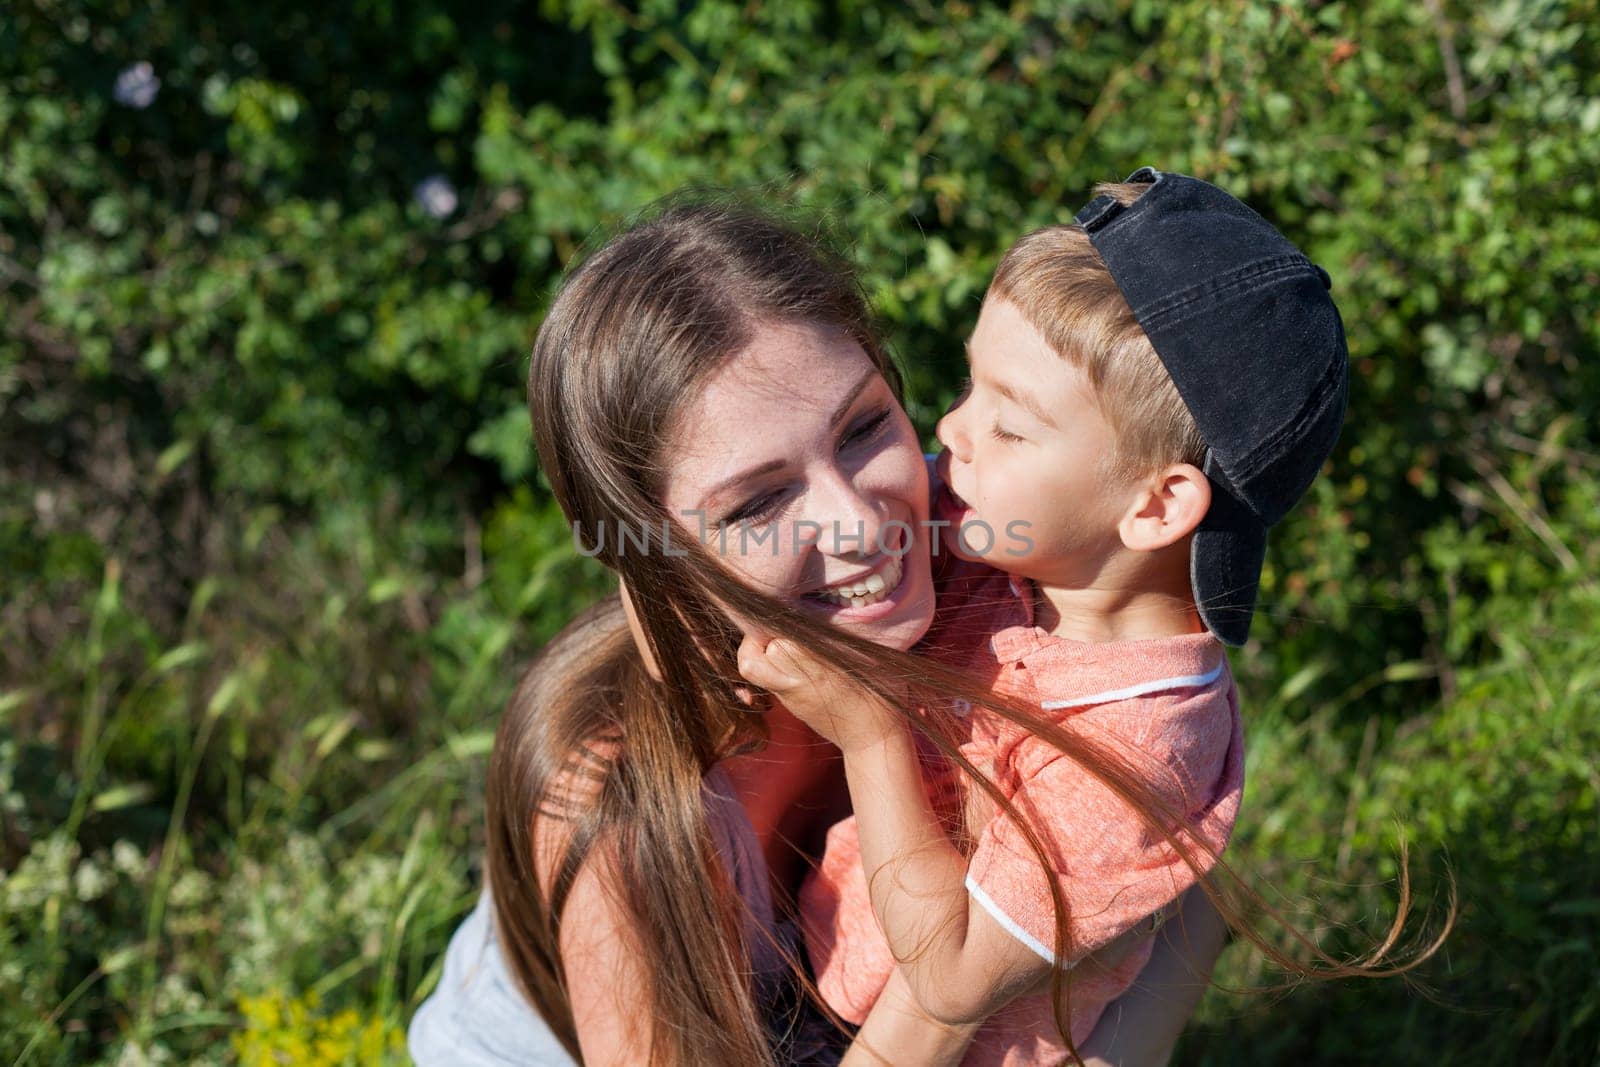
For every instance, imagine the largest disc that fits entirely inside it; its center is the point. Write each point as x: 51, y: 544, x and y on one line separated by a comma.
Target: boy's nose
x: 950, y: 433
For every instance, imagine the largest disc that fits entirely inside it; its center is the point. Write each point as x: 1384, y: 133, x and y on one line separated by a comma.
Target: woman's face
x: 796, y: 464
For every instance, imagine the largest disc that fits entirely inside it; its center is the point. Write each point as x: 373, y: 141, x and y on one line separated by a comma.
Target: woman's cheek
x: 766, y: 558
x: 905, y: 474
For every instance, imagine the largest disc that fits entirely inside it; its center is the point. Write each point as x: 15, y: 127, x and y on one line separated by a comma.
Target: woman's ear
x: 651, y: 667
x: 1175, y: 501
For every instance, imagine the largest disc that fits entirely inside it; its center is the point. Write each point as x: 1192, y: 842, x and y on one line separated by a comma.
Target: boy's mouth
x: 864, y: 590
x: 949, y: 505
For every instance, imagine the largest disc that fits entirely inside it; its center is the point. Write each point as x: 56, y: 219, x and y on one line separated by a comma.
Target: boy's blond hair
x: 1062, y: 287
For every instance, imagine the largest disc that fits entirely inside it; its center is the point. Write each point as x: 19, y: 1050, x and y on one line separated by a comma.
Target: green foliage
x: 271, y: 543
x: 1497, y: 785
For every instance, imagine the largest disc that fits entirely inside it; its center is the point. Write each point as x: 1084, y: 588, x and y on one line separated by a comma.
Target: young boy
x: 1151, y: 389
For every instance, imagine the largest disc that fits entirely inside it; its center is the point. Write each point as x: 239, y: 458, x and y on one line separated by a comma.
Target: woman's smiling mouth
x: 864, y: 592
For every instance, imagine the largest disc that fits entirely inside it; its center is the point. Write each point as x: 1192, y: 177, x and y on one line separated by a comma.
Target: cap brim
x: 1225, y: 558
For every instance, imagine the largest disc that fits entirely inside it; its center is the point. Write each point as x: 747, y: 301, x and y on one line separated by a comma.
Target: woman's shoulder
x: 560, y: 739
x: 475, y: 1017
x: 569, y: 804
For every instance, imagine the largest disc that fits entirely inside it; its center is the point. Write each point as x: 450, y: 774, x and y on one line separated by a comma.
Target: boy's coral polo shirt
x: 1167, y: 706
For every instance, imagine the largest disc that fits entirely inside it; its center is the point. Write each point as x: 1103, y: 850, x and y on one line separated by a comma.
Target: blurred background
x: 273, y: 544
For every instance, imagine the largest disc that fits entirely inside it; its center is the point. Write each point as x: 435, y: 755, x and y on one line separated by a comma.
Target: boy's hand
x: 819, y: 694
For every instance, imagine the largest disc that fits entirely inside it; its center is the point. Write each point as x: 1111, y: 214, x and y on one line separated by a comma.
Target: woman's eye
x: 867, y: 430
x: 756, y: 510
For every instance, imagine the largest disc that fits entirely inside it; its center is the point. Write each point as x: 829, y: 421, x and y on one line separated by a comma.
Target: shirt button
x: 961, y: 707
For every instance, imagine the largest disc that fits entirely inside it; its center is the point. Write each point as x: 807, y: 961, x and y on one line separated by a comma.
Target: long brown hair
x: 635, y: 330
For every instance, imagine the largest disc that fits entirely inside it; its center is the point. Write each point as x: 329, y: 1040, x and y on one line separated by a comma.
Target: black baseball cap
x: 1245, y: 326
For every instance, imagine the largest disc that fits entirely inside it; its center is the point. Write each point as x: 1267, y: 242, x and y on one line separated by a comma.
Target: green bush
x: 1497, y: 785
x: 272, y: 543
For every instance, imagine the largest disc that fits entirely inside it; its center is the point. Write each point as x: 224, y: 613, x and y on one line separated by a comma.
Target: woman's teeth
x: 870, y: 590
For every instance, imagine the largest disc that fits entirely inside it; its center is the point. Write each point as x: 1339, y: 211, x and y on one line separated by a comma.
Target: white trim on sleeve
x: 1010, y: 925
x: 1183, y: 682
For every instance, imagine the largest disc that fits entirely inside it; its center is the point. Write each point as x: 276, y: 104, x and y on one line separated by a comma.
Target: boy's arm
x: 957, y: 960
x: 898, y: 1031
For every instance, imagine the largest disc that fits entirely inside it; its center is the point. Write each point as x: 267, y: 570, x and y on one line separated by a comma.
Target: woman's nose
x: 850, y: 521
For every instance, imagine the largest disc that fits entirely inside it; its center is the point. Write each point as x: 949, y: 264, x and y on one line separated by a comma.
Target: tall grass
x: 1496, y: 786
x: 243, y: 831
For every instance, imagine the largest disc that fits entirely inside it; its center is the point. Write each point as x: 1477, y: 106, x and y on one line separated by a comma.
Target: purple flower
x: 137, y: 86
x: 436, y: 196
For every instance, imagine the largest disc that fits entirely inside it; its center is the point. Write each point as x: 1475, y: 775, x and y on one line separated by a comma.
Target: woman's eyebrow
x: 743, y: 476
x: 844, y: 405
x: 759, y: 469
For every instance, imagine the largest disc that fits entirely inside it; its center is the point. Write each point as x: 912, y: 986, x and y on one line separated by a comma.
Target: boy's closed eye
x: 999, y: 433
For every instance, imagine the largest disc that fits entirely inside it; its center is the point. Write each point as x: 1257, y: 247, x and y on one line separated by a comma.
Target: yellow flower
x: 279, y: 1030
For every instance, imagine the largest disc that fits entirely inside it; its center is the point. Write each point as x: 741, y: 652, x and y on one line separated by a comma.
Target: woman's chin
x: 898, y: 620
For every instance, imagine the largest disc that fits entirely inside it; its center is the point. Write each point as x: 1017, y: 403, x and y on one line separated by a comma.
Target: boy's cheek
x: 952, y: 541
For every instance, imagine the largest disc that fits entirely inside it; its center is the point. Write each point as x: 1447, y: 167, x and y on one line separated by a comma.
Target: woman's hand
x: 1140, y: 1028
x: 819, y: 694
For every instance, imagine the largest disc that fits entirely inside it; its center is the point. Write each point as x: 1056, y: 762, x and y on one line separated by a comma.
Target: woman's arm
x: 605, y: 986
x: 1141, y: 1027
x: 606, y: 981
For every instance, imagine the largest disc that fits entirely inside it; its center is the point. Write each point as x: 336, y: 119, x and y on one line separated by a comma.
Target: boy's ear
x: 651, y: 667
x: 1172, y: 504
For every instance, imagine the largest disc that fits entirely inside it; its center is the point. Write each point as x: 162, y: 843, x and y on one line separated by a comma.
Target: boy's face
x: 1027, y: 444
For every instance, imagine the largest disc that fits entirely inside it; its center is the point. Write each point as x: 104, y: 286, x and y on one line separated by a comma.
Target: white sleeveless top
x: 477, y: 1017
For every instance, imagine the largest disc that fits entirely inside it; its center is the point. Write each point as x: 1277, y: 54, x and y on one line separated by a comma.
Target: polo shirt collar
x: 1018, y: 635
x: 1095, y: 667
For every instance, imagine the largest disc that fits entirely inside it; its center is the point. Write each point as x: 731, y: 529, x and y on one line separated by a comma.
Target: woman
x: 721, y: 424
